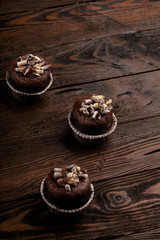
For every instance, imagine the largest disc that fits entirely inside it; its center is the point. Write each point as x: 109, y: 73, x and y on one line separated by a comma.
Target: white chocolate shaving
x: 39, y: 71
x: 96, y: 106
x: 31, y: 63
x: 31, y: 55
x: 70, y: 175
x: 78, y: 168
x: 58, y: 175
x: 37, y: 74
x: 71, y: 178
x: 95, y: 114
x: 36, y: 66
x: 22, y: 63
x: 83, y: 175
x: 109, y: 102
x: 84, y: 110
x: 46, y: 67
x: 57, y: 169
x: 20, y: 69
x: 98, y: 98
x: 88, y: 101
x: 72, y: 182
x: 41, y: 63
x: 67, y: 187
x: 85, y: 105
x: 27, y: 70
x: 37, y: 58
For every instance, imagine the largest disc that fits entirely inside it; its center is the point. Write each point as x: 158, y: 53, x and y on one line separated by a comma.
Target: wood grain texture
x: 102, y: 58
x: 79, y: 39
x: 132, y: 10
x: 153, y: 234
x: 106, y: 47
x: 130, y: 204
x: 36, y: 137
x: 9, y: 6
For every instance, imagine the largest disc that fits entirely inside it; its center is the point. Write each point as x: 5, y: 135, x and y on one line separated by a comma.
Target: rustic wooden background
x: 107, y: 47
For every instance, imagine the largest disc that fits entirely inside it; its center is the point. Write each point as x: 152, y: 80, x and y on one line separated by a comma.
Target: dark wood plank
x: 9, y: 6
x: 121, y: 11
x: 151, y: 235
x: 111, y: 47
x: 102, y: 57
x: 93, y: 60
x: 34, y: 138
x: 129, y: 15
x: 121, y: 207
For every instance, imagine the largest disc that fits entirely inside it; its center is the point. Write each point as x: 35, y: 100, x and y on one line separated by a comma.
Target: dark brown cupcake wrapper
x: 28, y: 97
x: 89, y: 139
x: 53, y: 207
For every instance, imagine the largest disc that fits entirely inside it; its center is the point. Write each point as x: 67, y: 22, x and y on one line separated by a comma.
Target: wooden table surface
x: 106, y: 47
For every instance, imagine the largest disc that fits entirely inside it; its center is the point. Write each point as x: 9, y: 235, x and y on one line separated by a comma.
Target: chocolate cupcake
x: 29, y: 77
x: 67, y: 189
x: 92, y: 118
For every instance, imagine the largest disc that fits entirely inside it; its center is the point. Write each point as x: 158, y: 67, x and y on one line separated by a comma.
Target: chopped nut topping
x: 96, y: 107
x: 109, y: 102
x: 31, y: 63
x: 60, y: 181
x: 70, y: 175
x: 72, y: 182
x: 70, y: 178
x: 58, y: 175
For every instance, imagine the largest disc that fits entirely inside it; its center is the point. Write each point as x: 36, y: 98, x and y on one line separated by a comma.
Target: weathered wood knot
x: 118, y: 199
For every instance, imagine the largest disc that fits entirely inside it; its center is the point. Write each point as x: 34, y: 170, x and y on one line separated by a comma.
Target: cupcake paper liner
x: 28, y: 97
x: 91, y: 139
x: 60, y: 210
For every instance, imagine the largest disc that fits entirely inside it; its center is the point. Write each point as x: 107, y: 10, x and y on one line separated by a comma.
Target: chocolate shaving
x: 31, y: 63
x: 70, y: 178
x: 96, y: 107
x: 67, y: 187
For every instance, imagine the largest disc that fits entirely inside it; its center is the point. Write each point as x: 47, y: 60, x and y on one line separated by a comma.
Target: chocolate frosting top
x: 96, y: 106
x: 88, y: 123
x: 70, y: 181
x: 31, y: 64
x: 26, y: 74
